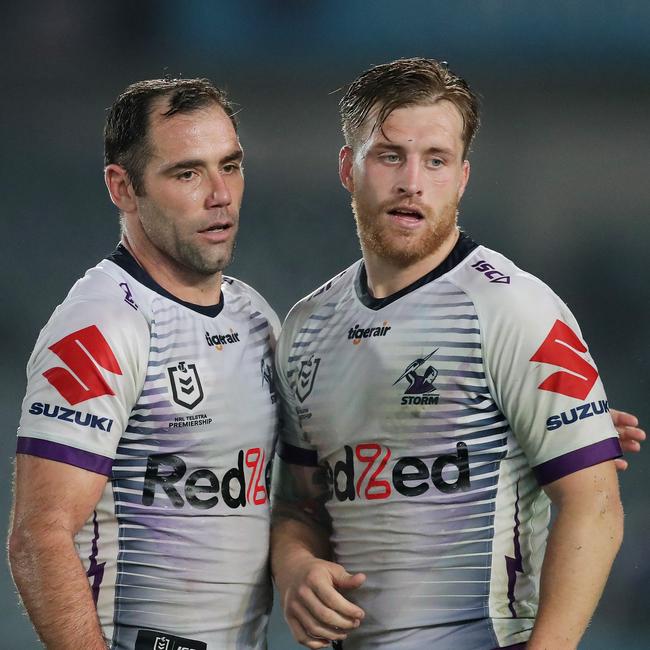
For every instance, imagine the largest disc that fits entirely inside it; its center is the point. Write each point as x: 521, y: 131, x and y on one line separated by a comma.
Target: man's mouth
x: 406, y: 215
x: 217, y: 227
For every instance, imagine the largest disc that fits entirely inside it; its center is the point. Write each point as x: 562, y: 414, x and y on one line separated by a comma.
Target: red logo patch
x: 82, y: 351
x: 560, y: 348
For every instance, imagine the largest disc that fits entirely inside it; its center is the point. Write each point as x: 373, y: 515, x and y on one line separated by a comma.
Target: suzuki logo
x: 82, y: 351
x: 561, y: 348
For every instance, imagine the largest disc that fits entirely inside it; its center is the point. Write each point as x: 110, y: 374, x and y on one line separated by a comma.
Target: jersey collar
x: 126, y: 261
x: 463, y: 247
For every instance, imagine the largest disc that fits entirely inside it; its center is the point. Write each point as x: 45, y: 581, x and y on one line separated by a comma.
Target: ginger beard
x: 399, y: 246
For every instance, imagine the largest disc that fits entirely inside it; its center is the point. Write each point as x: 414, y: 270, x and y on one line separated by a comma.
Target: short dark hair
x: 126, y: 131
x: 406, y: 82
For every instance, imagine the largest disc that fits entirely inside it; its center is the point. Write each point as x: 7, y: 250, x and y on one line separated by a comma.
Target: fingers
x: 330, y: 608
x: 315, y: 610
x: 629, y: 433
x: 301, y: 635
x: 621, y: 465
x: 315, y: 628
x: 624, y: 419
x: 345, y: 580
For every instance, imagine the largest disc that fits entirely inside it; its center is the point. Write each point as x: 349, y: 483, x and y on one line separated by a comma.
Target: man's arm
x: 584, y: 540
x: 309, y: 584
x: 629, y: 435
x: 52, y: 502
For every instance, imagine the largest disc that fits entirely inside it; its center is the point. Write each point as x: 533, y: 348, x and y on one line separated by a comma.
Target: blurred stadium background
x: 559, y: 174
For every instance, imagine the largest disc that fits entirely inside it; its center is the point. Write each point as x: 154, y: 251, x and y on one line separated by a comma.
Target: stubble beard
x: 185, y: 253
x: 402, y: 250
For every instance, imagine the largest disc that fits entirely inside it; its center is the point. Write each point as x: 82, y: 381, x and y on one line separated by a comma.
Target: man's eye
x: 231, y: 168
x: 186, y: 175
x: 390, y: 157
x: 436, y: 162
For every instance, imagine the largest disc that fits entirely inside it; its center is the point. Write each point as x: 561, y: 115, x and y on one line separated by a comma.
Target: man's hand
x: 629, y: 433
x: 315, y: 610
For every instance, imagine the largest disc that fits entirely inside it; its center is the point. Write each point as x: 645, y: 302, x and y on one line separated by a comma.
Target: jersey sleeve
x: 83, y: 379
x: 543, y: 377
x: 293, y: 446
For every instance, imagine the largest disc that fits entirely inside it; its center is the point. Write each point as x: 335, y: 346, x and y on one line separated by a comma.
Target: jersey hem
x: 65, y: 454
x: 556, y: 468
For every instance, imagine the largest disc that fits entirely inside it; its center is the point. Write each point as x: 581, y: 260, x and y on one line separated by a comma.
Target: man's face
x: 406, y: 180
x: 193, y: 187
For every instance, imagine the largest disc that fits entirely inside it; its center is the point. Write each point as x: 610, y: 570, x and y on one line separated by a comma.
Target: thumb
x: 345, y: 580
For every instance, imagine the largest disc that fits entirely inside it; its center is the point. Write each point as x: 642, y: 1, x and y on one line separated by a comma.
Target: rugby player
x: 435, y: 400
x: 141, y: 515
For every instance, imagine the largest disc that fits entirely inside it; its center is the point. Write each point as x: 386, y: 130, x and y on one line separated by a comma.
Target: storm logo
x: 420, y: 389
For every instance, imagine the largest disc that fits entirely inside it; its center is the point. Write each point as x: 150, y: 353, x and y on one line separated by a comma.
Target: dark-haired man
x: 419, y: 456
x: 141, y: 515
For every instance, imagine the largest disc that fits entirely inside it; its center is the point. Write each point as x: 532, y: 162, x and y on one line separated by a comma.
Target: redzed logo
x: 560, y: 348
x: 81, y: 351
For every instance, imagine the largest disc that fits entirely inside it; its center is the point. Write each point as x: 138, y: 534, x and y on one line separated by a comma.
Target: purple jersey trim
x: 517, y: 646
x: 576, y: 460
x: 297, y: 455
x: 64, y: 454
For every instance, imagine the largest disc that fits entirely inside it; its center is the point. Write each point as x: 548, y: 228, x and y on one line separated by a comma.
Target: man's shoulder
x: 328, y: 293
x: 493, y: 281
x: 105, y: 291
x: 241, y: 297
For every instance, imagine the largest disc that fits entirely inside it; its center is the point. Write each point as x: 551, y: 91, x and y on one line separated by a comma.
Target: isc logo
x: 490, y: 272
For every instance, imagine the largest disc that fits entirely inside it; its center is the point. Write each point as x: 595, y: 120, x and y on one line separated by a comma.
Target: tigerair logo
x: 420, y: 377
x: 357, y: 333
x: 219, y: 340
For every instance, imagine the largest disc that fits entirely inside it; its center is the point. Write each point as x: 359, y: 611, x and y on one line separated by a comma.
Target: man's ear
x: 120, y: 188
x: 464, y: 179
x: 346, y: 158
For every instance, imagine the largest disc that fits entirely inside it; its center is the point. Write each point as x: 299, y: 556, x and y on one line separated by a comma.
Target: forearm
x: 294, y: 537
x: 581, y: 548
x: 55, y: 590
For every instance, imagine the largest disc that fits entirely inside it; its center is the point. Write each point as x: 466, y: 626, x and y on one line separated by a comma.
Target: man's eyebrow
x: 235, y: 156
x: 387, y: 144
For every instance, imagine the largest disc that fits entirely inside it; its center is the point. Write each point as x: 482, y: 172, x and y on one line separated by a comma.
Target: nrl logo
x: 186, y: 385
x: 306, y: 377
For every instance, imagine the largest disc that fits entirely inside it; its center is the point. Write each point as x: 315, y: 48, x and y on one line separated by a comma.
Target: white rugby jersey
x: 175, y: 404
x: 437, y: 413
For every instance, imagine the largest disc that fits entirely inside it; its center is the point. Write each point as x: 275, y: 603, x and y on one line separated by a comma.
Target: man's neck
x: 386, y: 278
x: 180, y: 282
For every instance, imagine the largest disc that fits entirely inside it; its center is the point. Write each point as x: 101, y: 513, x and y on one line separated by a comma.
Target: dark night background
x: 559, y: 174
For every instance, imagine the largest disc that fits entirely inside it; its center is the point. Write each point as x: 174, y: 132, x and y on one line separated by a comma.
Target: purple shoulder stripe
x: 297, y: 455
x: 576, y: 460
x: 64, y: 454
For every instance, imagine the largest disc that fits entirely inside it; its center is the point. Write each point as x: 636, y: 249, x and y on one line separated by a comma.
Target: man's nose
x: 218, y: 192
x: 410, y: 181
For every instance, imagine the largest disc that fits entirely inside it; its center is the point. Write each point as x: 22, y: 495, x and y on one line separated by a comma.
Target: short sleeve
x: 544, y: 378
x: 293, y: 446
x: 83, y: 379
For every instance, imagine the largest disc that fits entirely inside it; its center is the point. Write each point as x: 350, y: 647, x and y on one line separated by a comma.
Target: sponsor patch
x: 83, y: 352
x: 564, y: 349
